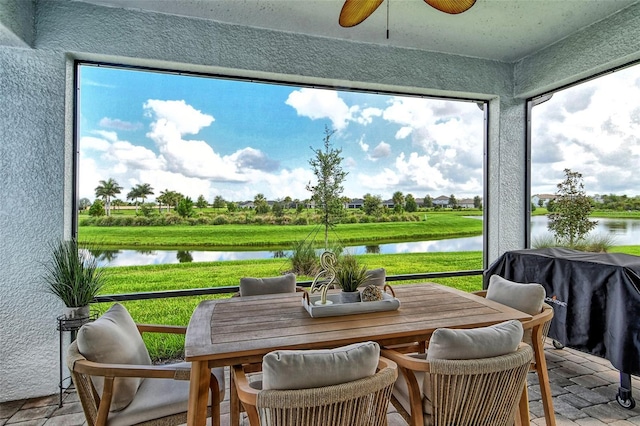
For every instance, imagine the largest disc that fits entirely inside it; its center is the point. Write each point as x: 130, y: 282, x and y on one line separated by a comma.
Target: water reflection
x: 372, y: 249
x: 138, y: 257
x: 184, y: 256
x: 278, y: 254
x: 623, y: 231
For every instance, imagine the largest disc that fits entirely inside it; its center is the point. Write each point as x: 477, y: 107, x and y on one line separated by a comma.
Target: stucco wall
x: 191, y: 44
x: 506, y: 176
x: 31, y: 215
x: 36, y: 124
x: 17, y: 26
x: 609, y: 43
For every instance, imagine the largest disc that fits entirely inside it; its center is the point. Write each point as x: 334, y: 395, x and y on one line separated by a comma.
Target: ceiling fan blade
x: 355, y: 11
x: 451, y: 6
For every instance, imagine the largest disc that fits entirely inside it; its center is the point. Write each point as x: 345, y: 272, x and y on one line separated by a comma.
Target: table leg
x: 198, y: 393
x: 234, y: 403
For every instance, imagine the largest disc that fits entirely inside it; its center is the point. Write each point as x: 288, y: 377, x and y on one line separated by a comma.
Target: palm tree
x: 162, y: 199
x: 106, y: 190
x: 139, y: 191
x: 144, y: 189
x: 133, y: 196
x: 260, y: 203
x: 398, y: 201
x: 169, y: 198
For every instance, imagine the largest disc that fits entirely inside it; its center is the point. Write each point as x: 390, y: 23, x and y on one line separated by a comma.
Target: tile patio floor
x: 583, y: 387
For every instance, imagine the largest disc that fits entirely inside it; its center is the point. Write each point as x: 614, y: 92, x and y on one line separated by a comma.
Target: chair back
x: 362, y: 402
x: 478, y: 392
x: 250, y: 286
x: 540, y: 323
x: 87, y: 393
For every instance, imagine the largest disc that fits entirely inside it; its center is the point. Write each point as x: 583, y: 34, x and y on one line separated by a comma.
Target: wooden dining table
x: 242, y: 330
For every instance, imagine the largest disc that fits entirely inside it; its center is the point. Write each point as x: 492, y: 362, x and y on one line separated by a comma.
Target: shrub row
x: 201, y: 219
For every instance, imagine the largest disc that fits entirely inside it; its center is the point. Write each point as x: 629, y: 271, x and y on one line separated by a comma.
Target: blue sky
x: 214, y: 137
x: 198, y: 135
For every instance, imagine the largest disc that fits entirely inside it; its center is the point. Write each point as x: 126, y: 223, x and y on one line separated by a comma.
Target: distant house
x: 355, y: 203
x: 466, y: 203
x: 442, y: 201
x: 544, y: 197
x: 388, y: 204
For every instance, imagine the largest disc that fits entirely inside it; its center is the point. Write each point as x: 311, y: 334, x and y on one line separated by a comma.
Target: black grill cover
x: 595, y: 296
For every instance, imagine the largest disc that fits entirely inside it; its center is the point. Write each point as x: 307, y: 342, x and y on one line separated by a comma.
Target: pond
x: 624, y: 232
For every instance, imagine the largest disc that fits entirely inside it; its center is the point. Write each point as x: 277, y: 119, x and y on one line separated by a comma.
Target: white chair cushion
x: 157, y: 398
x: 259, y: 286
x: 527, y: 298
x: 114, y: 339
x: 474, y: 343
x: 305, y: 369
x: 375, y: 277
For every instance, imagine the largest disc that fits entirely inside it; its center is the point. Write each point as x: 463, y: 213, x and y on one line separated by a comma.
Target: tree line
x: 372, y: 205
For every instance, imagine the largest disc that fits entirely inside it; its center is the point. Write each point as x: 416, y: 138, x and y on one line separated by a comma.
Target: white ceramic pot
x: 76, y: 312
x: 349, y: 296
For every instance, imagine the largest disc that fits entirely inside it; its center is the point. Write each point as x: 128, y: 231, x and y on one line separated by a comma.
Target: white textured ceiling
x: 503, y: 30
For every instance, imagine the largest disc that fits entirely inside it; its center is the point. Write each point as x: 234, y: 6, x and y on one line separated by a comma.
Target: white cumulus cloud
x: 318, y: 103
x: 381, y: 151
x: 187, y: 119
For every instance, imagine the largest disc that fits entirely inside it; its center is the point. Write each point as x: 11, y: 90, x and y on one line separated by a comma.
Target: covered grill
x: 596, y: 301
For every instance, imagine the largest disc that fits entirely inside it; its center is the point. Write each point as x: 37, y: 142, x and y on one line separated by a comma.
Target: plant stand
x: 72, y: 326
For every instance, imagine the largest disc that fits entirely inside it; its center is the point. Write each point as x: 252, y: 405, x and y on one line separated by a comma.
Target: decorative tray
x: 337, y: 308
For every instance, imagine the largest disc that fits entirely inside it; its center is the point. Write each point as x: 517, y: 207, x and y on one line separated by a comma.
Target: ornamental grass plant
x: 349, y: 273
x: 73, y: 275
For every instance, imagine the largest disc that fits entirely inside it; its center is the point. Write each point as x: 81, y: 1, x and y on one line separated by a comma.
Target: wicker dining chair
x: 525, y: 298
x: 118, y: 393
x: 361, y: 402
x: 469, y: 392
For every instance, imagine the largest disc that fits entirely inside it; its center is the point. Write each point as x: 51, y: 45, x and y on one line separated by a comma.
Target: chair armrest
x: 157, y: 328
x: 126, y: 370
x: 406, y: 364
x: 405, y: 361
x: 481, y: 293
x: 539, y: 319
x: 246, y: 393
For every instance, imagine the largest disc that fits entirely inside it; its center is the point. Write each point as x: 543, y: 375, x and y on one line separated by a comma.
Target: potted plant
x: 349, y: 276
x: 73, y: 276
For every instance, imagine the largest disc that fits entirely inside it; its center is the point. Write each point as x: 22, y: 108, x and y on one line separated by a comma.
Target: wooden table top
x: 244, y: 329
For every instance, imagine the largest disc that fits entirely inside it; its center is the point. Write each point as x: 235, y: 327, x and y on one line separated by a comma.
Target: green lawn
x: 436, y: 226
